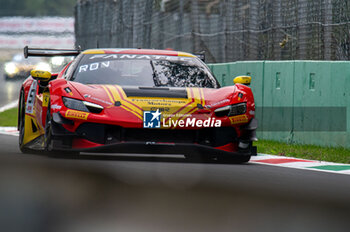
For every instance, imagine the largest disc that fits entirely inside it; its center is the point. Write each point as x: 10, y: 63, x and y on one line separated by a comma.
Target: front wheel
x: 48, y: 131
x: 21, y: 124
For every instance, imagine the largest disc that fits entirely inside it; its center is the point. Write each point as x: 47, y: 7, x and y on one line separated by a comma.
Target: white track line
x: 9, y: 106
x: 9, y: 131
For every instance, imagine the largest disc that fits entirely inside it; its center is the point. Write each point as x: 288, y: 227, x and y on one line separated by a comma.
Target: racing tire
x: 48, y: 130
x: 21, y: 124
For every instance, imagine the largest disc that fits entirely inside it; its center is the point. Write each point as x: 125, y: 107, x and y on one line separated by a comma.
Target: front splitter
x: 163, y: 148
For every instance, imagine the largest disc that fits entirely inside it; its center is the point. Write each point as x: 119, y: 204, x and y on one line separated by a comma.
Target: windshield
x: 143, y: 70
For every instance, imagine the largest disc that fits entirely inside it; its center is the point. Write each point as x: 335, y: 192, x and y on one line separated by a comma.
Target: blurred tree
x: 37, y: 7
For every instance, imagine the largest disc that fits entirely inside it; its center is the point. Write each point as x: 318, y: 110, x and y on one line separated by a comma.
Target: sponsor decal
x: 46, y: 99
x: 97, y: 99
x: 154, y: 119
x: 151, y: 119
x: 93, y: 66
x: 240, y: 95
x: 158, y: 102
x: 238, y: 119
x: 69, y: 91
x: 139, y: 56
x: 178, y: 115
x: 217, y: 103
x: 76, y: 114
x: 164, y: 109
x: 56, y: 107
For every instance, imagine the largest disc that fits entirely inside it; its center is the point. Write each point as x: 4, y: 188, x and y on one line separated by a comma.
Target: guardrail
x: 297, y: 101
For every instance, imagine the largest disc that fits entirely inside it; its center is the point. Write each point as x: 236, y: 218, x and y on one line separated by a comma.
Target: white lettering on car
x: 143, y: 57
x: 111, y: 56
x: 140, y: 56
x: 96, y: 56
x: 56, y: 107
x: 93, y: 66
x: 83, y: 68
x: 128, y: 56
x: 105, y: 64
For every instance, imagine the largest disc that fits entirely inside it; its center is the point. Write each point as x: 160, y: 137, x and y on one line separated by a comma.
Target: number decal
x: 31, y: 98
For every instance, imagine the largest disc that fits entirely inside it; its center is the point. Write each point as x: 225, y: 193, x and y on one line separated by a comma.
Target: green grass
x: 338, y: 155
x: 331, y: 154
x: 9, y: 117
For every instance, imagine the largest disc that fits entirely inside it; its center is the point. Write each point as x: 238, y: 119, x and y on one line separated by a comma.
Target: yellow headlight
x: 10, y: 68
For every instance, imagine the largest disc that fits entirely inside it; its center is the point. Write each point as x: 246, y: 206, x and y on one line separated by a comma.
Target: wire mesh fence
x: 227, y: 30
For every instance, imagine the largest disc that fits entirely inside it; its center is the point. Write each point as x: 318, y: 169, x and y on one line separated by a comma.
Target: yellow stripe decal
x: 185, y: 54
x: 124, y: 99
x: 191, y: 111
x: 124, y: 104
x: 203, y: 98
x: 94, y: 51
x: 109, y: 95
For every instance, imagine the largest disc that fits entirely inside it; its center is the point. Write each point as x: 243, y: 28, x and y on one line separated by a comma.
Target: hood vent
x: 155, y: 92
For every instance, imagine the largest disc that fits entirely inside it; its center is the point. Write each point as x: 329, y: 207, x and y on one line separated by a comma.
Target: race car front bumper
x: 95, y: 137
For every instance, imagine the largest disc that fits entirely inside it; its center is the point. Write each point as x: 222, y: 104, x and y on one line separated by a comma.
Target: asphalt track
x: 143, y: 193
x: 161, y: 193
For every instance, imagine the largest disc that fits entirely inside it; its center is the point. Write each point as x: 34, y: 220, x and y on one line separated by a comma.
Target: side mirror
x: 201, y: 56
x: 41, y: 75
x: 245, y: 80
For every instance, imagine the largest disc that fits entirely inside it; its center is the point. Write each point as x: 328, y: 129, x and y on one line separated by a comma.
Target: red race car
x: 135, y: 101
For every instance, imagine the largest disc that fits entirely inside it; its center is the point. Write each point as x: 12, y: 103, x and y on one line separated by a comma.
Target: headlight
x: 82, y: 105
x: 231, y: 110
x: 43, y: 67
x: 10, y: 68
x: 57, y: 60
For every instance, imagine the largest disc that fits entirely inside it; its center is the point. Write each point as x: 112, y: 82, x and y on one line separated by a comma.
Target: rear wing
x: 49, y: 52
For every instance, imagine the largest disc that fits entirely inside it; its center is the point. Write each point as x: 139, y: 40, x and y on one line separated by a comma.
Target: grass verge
x: 312, y: 152
x: 9, y: 117
x: 331, y: 154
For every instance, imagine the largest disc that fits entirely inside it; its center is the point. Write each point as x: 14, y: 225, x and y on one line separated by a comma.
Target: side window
x: 70, y: 70
x: 66, y: 70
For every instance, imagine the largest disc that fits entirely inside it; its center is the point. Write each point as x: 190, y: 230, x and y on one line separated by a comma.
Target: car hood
x: 177, y: 103
x: 150, y: 97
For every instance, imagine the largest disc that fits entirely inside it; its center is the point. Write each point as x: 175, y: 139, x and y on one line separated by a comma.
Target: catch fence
x: 227, y: 30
